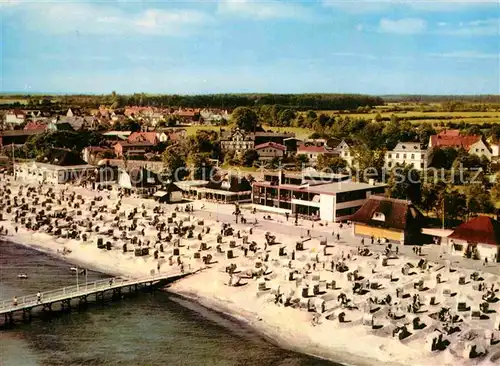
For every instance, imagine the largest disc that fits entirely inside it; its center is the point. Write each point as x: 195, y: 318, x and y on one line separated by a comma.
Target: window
x: 397, y: 156
x: 413, y: 156
x: 404, y: 156
x: 421, y: 165
x: 423, y: 156
x: 389, y: 155
x: 378, y: 216
x: 389, y: 164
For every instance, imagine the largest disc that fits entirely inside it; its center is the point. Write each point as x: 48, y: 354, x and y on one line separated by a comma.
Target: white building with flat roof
x: 407, y: 153
x: 53, y: 174
x: 313, y: 199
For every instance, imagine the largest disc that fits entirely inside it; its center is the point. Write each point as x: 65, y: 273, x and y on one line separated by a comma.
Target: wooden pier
x: 81, y: 293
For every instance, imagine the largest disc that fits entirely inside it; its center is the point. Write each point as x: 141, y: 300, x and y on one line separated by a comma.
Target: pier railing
x: 70, y: 292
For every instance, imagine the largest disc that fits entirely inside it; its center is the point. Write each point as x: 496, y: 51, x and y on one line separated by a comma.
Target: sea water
x: 148, y: 329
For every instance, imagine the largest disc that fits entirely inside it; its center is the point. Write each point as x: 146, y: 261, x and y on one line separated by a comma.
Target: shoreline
x: 278, y: 269
x: 211, y: 304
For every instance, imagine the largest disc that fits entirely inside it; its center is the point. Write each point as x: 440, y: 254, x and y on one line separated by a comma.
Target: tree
x: 442, y: 158
x: 301, y: 161
x: 333, y: 163
x: 478, y: 200
x: 425, y: 131
x: 368, y: 163
x: 174, y: 164
x: 371, y: 135
x: 405, y: 183
x: 249, y: 157
x: 201, y: 167
x: 455, y: 205
x: 285, y: 117
x: 429, y: 196
x: 245, y: 118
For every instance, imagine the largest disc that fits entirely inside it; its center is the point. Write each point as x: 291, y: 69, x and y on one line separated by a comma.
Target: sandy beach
x: 327, y: 297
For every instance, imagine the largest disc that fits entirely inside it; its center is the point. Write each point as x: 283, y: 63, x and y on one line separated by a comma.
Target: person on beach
x: 38, y: 297
x: 14, y: 300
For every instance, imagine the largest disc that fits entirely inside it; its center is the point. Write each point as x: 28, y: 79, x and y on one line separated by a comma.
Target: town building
x: 171, y: 193
x: 261, y: 137
x: 132, y: 149
x: 478, y: 238
x: 35, y: 125
x: 93, y: 154
x: 313, y: 150
x: 329, y: 197
x: 59, y: 126
x: 481, y: 149
x: 345, y: 151
x: 59, y: 166
x: 391, y: 219
x: 141, y: 181
x: 409, y: 154
x: 270, y: 150
x: 116, y: 135
x: 473, y: 144
x: 17, y: 137
x: 152, y: 137
x: 15, y: 117
x: 237, y: 140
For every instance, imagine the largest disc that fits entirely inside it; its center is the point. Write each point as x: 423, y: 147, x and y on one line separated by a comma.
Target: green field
x: 416, y: 116
x: 12, y: 101
x: 299, y: 132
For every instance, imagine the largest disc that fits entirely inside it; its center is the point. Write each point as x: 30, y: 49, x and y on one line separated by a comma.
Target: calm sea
x: 149, y: 329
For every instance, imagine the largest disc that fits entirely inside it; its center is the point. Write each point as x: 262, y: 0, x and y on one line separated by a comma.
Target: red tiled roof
x: 482, y: 229
x: 132, y: 144
x: 35, y: 126
x: 304, y: 148
x: 454, y: 141
x: 270, y: 144
x: 449, y: 133
x: 142, y: 137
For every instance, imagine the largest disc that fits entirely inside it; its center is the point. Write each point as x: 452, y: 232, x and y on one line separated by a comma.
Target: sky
x: 240, y: 46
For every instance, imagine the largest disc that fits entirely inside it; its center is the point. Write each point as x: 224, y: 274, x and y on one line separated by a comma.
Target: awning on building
x: 160, y: 194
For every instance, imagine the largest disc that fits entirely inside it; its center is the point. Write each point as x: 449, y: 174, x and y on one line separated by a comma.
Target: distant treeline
x: 485, y: 98
x: 223, y: 101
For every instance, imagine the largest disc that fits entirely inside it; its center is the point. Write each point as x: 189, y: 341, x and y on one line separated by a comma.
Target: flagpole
x: 444, y: 199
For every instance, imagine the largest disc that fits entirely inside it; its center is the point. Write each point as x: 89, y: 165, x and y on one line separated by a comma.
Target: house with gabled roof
x: 409, y: 154
x: 391, y: 219
x: 270, y: 151
x: 478, y: 238
x: 473, y: 144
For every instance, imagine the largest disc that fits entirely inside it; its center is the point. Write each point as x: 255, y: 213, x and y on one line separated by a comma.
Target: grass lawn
x: 233, y: 168
x: 191, y: 130
x: 299, y: 131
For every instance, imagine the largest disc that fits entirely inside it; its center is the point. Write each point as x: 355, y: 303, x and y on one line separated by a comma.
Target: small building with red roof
x: 151, y: 137
x: 312, y: 151
x: 35, y: 125
x: 478, y: 238
x: 270, y: 151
